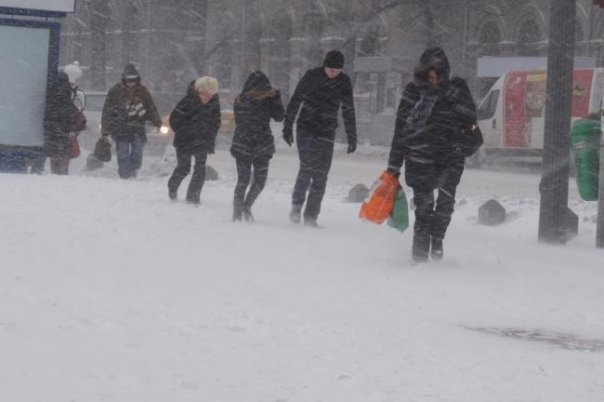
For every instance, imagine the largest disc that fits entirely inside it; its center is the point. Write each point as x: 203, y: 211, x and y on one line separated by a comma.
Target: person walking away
x: 321, y: 92
x: 195, y: 121
x: 432, y: 115
x: 128, y: 107
x: 57, y: 126
x: 253, y: 144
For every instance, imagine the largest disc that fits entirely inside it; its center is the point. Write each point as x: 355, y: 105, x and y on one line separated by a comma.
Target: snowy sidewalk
x: 111, y: 292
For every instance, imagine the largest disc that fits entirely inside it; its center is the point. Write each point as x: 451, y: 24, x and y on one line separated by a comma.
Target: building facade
x: 174, y: 41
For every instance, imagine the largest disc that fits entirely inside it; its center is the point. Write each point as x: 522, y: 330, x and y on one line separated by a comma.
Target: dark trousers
x: 315, y: 161
x: 244, y: 175
x: 183, y: 167
x: 432, y: 219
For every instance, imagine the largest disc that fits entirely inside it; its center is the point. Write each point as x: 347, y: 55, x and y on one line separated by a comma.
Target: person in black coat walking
x: 434, y: 114
x: 321, y: 92
x: 58, y: 124
x: 195, y: 121
x: 253, y: 143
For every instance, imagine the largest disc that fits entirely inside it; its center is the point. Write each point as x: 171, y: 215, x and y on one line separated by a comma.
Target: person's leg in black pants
x: 183, y: 167
x: 305, y: 152
x: 244, y: 173
x: 260, y: 168
x: 445, y: 203
x: 321, y: 162
x: 423, y: 198
x: 199, y: 177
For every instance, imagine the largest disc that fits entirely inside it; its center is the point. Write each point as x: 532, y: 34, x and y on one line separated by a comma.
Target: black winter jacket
x: 430, y: 123
x: 254, y: 108
x: 126, y: 110
x: 195, y: 124
x: 321, y: 98
x: 58, y: 117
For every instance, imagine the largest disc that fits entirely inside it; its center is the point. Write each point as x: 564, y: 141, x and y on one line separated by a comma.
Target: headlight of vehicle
x: 164, y: 130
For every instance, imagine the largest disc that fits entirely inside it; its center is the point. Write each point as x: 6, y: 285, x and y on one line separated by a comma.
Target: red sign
x: 524, y: 102
x: 514, y: 95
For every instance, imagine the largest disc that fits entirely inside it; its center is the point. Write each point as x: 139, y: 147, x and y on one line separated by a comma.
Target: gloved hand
x: 352, y: 146
x: 288, y: 136
x: 393, y: 172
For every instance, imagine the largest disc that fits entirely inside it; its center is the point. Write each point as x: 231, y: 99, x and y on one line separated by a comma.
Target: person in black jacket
x: 433, y: 116
x: 253, y: 143
x: 321, y: 92
x: 195, y: 121
x: 57, y: 125
x: 128, y: 107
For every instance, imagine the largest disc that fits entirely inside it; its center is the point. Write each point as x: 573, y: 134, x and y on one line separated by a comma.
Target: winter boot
x: 237, y: 212
x: 296, y: 214
x: 421, y: 246
x: 436, y: 250
x: 247, y: 214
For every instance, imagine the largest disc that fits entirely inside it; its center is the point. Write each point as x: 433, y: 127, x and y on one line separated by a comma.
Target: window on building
x: 529, y: 39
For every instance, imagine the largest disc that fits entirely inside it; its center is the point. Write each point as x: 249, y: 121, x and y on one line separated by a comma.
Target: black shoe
x: 247, y: 214
x: 421, y: 247
x: 436, y: 251
x: 296, y: 214
x: 172, y: 195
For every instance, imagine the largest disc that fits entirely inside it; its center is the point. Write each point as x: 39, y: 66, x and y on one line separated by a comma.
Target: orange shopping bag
x: 379, y: 205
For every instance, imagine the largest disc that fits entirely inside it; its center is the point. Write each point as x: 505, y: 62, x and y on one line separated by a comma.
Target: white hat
x: 73, y: 71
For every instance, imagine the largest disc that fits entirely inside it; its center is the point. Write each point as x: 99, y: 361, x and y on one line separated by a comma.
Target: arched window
x: 489, y: 38
x: 370, y: 43
x: 529, y: 38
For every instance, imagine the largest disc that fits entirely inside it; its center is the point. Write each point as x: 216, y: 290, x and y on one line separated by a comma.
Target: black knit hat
x: 334, y: 59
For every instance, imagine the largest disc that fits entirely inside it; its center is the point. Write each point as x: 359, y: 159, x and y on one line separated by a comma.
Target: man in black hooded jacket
x: 434, y: 116
x: 321, y: 92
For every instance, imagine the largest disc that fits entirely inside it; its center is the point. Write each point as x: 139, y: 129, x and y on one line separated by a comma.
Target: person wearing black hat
x: 321, y: 92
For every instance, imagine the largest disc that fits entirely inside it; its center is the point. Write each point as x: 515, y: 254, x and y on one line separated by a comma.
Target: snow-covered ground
x: 110, y: 292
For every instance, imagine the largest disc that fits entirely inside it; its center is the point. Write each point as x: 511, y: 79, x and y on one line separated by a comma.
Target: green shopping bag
x: 399, y: 218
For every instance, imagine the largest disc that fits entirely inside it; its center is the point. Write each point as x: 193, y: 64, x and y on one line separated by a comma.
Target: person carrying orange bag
x: 380, y: 203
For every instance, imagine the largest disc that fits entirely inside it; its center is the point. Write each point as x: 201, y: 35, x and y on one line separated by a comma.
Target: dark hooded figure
x: 253, y: 143
x: 322, y: 92
x: 128, y: 107
x: 195, y: 121
x: 433, y: 114
x: 57, y: 124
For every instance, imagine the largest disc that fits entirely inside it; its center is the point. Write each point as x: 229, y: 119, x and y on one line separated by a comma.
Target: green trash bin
x: 585, y: 144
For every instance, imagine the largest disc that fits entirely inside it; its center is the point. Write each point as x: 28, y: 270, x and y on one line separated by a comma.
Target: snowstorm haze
x: 136, y: 266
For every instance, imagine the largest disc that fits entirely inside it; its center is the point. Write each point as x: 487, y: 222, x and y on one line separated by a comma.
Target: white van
x: 511, y: 115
